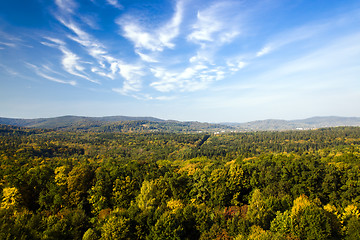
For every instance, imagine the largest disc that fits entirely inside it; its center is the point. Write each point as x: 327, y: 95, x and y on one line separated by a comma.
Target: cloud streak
x: 152, y: 40
x: 7, y: 44
x: 212, y: 25
x: 115, y: 4
x: 306, y: 32
x: 70, y: 60
x: 41, y: 73
x: 191, y: 50
x: 107, y: 65
x: 66, y: 6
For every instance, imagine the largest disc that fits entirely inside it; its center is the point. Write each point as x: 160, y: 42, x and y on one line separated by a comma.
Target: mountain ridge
x: 298, y: 124
x: 69, y: 119
x: 114, y: 123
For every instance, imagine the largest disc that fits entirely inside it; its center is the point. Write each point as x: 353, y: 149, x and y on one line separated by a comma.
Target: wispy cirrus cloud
x: 149, y: 39
x: 70, y: 61
x: 212, y: 25
x: 308, y: 31
x: 9, y: 40
x: 106, y: 65
x: 115, y: 4
x: 8, y: 70
x: 42, y: 74
x: 92, y: 46
x: 149, y: 43
x: 90, y: 20
x: 265, y: 50
x: 146, y: 57
x: 66, y: 6
x: 193, y: 78
x: 133, y: 77
x: 236, y: 65
x: 8, y: 44
x: 210, y: 31
x: 338, y: 55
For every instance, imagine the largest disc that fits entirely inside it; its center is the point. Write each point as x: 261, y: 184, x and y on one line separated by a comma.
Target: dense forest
x: 121, y: 185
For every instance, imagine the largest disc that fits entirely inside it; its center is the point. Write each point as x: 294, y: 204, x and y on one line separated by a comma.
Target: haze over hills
x: 115, y: 124
x: 66, y: 121
x: 127, y: 123
x: 308, y: 123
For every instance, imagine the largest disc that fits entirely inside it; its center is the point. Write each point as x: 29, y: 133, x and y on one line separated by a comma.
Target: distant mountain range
x: 302, y: 124
x: 151, y: 124
x: 67, y: 121
x: 115, y: 124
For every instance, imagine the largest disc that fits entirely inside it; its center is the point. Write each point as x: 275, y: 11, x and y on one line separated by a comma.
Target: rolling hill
x: 151, y: 124
x: 309, y: 123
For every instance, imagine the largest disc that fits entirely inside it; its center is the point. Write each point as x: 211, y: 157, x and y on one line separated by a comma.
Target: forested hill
x: 69, y: 121
x: 151, y: 124
x: 309, y: 123
x: 116, y: 124
x: 280, y: 185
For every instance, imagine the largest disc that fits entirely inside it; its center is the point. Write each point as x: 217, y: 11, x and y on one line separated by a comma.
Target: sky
x: 187, y: 60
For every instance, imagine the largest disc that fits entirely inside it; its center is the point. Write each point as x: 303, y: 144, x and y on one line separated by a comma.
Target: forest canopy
x: 114, y: 185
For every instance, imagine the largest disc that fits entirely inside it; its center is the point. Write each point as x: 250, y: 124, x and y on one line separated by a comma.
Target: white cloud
x: 171, y: 30
x: 115, y: 4
x: 213, y: 25
x: 149, y: 43
x: 109, y: 66
x: 164, y: 98
x: 8, y: 44
x: 341, y: 53
x: 39, y: 72
x: 93, y: 47
x: 301, y: 33
x: 166, y: 82
x: 132, y: 78
x: 91, y: 21
x: 325, y: 71
x: 200, y: 66
x: 102, y: 73
x: 8, y: 37
x: 153, y: 40
x: 146, y: 58
x: 54, y: 40
x: 8, y: 70
x: 82, y: 37
x: 50, y: 70
x: 198, y: 58
x: 205, y: 27
x: 70, y: 60
x: 241, y: 65
x: 140, y: 38
x: 197, y: 76
x: 66, y: 6
x: 263, y: 51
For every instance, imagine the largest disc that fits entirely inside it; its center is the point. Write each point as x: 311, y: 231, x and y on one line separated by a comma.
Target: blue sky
x: 213, y: 61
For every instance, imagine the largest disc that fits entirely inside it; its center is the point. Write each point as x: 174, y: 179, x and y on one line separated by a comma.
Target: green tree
x: 168, y: 226
x: 116, y: 227
x: 11, y: 198
x: 123, y: 193
x: 79, y: 181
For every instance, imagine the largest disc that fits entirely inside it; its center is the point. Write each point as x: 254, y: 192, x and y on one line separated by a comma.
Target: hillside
x: 151, y: 124
x: 67, y: 121
x: 280, y: 185
x: 301, y: 124
x: 115, y: 124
